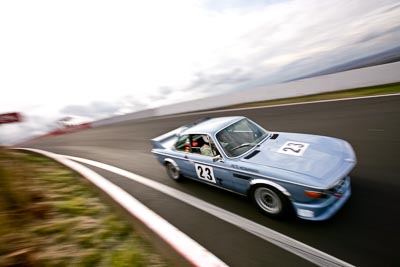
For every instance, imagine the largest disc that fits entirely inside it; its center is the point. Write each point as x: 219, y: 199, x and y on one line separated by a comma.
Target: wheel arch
x: 286, y: 198
x: 257, y: 182
x: 169, y: 160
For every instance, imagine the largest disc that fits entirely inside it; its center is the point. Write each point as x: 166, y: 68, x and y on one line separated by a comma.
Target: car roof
x: 212, y: 126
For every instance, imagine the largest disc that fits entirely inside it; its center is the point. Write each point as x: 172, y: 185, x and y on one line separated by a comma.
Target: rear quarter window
x: 182, y: 143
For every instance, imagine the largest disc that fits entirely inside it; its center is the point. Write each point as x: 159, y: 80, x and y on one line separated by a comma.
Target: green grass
x: 367, y: 91
x: 50, y: 216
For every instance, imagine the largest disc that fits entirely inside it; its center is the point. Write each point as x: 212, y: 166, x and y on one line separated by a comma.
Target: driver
x: 206, y: 149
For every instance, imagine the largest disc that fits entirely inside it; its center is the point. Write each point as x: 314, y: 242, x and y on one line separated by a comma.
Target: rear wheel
x: 173, y: 172
x: 270, y: 201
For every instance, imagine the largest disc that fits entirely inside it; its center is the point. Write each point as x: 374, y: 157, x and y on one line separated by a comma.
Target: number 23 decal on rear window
x: 293, y: 148
x: 205, y: 173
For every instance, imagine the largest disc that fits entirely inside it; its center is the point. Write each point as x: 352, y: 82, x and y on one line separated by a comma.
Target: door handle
x: 191, y: 161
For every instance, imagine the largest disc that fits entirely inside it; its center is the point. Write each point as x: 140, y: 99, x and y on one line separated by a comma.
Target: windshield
x: 240, y: 137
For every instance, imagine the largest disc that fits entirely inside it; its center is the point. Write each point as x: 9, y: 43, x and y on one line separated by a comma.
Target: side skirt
x: 217, y: 186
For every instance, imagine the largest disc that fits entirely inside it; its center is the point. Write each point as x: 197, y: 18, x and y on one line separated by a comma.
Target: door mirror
x: 218, y: 159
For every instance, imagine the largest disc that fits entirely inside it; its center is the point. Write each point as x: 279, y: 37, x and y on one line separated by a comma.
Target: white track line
x: 296, y: 247
x: 274, y: 106
x: 184, y: 245
x: 316, y: 102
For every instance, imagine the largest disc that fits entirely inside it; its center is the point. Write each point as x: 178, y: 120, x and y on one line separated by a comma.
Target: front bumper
x: 326, y: 209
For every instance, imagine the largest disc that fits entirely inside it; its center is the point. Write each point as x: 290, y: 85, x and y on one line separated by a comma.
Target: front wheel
x: 270, y: 201
x: 173, y: 172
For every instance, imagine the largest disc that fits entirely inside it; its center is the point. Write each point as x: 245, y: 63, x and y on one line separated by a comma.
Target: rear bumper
x: 324, y: 210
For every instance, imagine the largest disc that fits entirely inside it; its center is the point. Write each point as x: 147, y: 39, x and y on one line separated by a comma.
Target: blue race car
x: 281, y: 172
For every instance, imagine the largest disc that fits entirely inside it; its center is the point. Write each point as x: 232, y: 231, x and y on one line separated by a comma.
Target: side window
x: 204, y: 145
x: 214, y: 148
x: 183, y: 143
x: 197, y: 143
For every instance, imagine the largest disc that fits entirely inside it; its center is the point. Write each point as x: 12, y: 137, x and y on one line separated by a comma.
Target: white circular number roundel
x: 205, y: 173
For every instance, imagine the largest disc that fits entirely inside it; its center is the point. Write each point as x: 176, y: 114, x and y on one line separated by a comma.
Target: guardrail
x: 371, y: 76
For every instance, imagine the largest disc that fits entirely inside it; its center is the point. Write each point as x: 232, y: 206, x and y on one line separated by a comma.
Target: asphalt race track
x: 365, y: 232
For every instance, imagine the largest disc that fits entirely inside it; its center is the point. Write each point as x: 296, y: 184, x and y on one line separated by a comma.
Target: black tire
x: 270, y: 201
x: 173, y: 172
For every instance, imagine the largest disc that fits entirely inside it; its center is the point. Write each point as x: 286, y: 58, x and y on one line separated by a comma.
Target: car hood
x: 319, y: 157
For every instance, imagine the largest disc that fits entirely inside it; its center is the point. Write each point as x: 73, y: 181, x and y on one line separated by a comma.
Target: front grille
x: 339, y: 186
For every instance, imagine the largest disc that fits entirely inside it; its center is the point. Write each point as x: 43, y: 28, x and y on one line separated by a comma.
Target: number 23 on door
x: 205, y: 173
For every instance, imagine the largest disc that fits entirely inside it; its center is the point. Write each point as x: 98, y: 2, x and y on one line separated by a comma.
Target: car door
x: 182, y: 149
x: 204, y: 164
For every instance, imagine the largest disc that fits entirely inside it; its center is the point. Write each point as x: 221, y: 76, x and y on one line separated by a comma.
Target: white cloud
x: 56, y: 54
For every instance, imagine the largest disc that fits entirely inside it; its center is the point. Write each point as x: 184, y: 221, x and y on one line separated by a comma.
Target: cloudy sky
x: 100, y: 58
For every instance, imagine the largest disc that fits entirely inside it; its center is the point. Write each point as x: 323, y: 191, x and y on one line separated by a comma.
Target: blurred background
x: 68, y: 63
